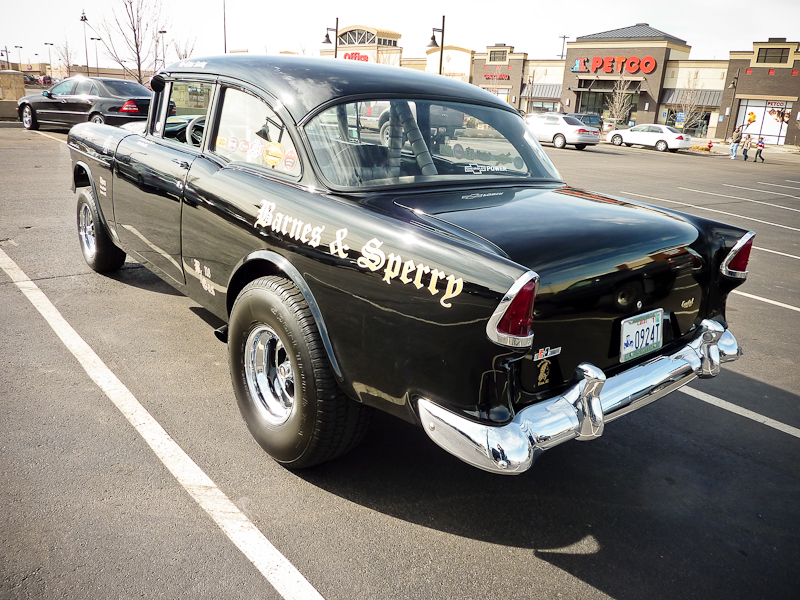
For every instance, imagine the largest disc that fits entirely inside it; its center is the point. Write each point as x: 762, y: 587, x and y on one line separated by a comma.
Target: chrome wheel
x: 27, y: 117
x: 86, y: 231
x: 270, y: 375
x: 97, y: 119
x: 559, y: 141
x: 617, y: 140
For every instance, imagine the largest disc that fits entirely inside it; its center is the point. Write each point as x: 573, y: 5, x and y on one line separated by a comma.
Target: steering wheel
x: 190, y: 126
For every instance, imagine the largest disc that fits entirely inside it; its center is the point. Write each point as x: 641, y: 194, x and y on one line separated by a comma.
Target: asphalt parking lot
x: 695, y: 496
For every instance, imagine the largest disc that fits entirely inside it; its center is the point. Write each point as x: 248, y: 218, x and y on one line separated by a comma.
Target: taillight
x: 680, y: 137
x: 735, y: 264
x: 583, y: 131
x: 129, y: 107
x: 512, y: 321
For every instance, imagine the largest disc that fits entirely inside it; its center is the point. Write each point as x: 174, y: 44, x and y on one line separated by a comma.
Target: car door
x: 151, y: 172
x: 51, y: 106
x: 656, y: 133
x: 77, y: 105
x: 636, y: 135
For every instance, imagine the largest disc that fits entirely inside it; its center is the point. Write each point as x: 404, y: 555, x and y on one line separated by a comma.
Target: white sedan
x: 561, y: 130
x: 661, y: 137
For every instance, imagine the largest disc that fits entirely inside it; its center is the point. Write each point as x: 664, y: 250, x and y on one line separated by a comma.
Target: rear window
x: 126, y: 89
x: 573, y: 121
x: 673, y: 130
x: 401, y: 142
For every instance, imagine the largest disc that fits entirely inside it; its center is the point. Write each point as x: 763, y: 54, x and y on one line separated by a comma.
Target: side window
x: 250, y: 131
x: 552, y: 120
x: 640, y: 128
x: 63, y: 89
x: 83, y: 88
x: 188, y: 110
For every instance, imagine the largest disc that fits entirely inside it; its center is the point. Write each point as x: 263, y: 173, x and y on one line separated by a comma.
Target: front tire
x: 559, y: 141
x: 282, y: 378
x: 29, y: 118
x: 661, y: 146
x: 616, y: 140
x: 99, y: 251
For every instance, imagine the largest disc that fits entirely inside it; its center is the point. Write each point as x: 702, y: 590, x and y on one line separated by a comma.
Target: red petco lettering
x: 614, y: 64
x: 356, y: 56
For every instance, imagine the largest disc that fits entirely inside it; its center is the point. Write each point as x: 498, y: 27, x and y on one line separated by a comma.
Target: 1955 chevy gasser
x: 453, y: 281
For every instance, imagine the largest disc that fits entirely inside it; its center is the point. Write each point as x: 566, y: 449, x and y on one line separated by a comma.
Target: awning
x: 710, y: 98
x: 542, y: 91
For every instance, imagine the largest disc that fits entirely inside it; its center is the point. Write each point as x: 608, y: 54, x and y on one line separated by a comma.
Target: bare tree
x: 619, y: 100
x: 184, y: 48
x: 66, y: 53
x: 688, y: 101
x: 137, y: 26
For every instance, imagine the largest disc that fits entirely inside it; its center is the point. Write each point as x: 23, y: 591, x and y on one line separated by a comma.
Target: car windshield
x: 129, y: 89
x: 368, y: 144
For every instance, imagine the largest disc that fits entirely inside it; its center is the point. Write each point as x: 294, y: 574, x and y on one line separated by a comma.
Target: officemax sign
x: 614, y: 64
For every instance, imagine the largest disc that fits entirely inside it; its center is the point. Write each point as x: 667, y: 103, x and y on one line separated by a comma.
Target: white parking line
x: 50, y: 136
x: 739, y: 198
x: 722, y: 212
x: 741, y: 187
x: 767, y: 300
x: 776, y: 252
x: 741, y: 411
x: 783, y: 186
x: 280, y: 573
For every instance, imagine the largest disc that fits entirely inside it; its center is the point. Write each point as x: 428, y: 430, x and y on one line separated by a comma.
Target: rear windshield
x: 369, y: 144
x: 573, y: 121
x: 673, y: 130
x: 126, y: 89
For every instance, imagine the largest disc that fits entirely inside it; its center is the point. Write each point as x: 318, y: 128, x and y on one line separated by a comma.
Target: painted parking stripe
x: 767, y: 300
x: 776, y: 252
x: 740, y: 198
x: 50, y: 136
x: 741, y: 411
x: 280, y: 573
x: 721, y: 212
x: 782, y: 186
x: 741, y: 187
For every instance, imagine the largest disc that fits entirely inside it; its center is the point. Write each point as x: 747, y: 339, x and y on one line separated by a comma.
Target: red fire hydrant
x: 710, y: 145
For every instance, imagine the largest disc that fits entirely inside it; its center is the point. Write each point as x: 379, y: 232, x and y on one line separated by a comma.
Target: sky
x: 712, y: 29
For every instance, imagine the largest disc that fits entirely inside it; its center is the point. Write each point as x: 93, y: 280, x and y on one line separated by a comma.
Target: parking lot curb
x: 10, y: 124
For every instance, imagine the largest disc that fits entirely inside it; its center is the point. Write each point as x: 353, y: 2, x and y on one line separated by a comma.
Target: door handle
x: 181, y: 163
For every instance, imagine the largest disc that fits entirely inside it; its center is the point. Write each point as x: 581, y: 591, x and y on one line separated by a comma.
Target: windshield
x: 369, y: 144
x: 129, y: 89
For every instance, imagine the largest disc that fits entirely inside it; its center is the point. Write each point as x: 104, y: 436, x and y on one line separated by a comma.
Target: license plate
x: 641, y: 335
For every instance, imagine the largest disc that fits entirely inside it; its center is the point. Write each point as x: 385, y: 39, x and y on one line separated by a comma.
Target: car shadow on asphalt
x: 136, y: 275
x: 680, y: 499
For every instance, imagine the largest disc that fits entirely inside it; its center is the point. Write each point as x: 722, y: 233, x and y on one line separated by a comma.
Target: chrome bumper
x: 582, y: 411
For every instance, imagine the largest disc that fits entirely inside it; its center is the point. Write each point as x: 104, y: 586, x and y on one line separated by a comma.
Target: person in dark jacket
x: 737, y: 137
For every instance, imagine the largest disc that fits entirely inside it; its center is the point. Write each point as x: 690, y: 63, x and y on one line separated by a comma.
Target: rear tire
x: 580, y: 146
x: 99, y: 251
x: 29, y: 118
x: 559, y: 141
x: 97, y: 118
x: 661, y: 146
x: 617, y: 140
x: 284, y: 386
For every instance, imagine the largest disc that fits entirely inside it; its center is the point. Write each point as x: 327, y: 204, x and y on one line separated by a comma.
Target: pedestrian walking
x: 759, y: 150
x: 746, y: 143
x: 737, y: 137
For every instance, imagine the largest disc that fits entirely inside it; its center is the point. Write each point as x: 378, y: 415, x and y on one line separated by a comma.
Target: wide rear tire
x: 98, y: 250
x: 282, y: 378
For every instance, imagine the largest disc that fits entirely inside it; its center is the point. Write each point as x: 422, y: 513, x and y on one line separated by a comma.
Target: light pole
x: 224, y: 30
x: 163, y: 48
x: 85, y: 43
x: 19, y: 57
x: 327, y: 39
x: 49, y: 60
x: 96, y: 56
x: 433, y: 44
x: 732, y: 86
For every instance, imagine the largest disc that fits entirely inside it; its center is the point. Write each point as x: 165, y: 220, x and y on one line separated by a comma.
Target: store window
x: 765, y: 118
x: 497, y: 56
x: 249, y: 131
x: 773, y: 55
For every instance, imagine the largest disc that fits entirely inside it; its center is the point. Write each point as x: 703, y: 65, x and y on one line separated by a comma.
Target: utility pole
x: 49, y: 60
x: 96, y: 56
x: 85, y: 43
x: 563, y: 43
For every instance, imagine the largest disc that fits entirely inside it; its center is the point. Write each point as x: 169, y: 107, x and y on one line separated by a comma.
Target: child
x: 746, y: 146
x: 759, y: 148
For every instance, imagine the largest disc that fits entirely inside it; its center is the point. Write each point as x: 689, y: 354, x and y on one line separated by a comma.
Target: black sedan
x: 79, y: 99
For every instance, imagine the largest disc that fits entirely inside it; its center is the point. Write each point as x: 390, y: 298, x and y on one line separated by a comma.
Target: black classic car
x: 79, y: 99
x: 459, y: 284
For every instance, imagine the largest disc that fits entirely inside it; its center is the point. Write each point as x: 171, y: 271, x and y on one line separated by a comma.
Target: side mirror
x: 47, y: 94
x: 157, y: 83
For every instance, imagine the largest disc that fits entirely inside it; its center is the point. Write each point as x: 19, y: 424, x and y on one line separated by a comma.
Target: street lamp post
x: 433, y: 44
x: 96, y: 56
x: 732, y: 86
x: 49, y: 60
x: 163, y: 48
x: 327, y: 39
x: 84, y: 18
x: 19, y: 57
x: 224, y: 30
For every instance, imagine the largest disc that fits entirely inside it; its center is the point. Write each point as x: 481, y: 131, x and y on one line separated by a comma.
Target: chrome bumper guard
x: 582, y: 411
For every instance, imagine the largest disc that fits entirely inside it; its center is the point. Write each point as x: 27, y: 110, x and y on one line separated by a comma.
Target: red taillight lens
x: 129, y: 107
x: 583, y: 131
x: 742, y: 257
x: 518, y: 318
x: 735, y: 264
x: 680, y: 137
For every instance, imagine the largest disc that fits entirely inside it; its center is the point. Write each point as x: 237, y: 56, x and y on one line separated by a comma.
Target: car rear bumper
x: 582, y: 411
x: 583, y: 139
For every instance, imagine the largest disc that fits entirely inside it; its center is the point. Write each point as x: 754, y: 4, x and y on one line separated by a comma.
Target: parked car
x: 561, y: 130
x: 589, y: 118
x: 660, y: 137
x: 29, y: 79
x: 78, y: 99
x: 463, y: 287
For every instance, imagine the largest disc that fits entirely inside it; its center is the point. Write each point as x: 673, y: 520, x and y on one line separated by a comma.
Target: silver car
x: 660, y: 137
x: 561, y: 130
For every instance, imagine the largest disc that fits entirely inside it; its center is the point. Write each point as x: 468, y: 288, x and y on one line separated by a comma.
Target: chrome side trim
x: 582, y: 411
x: 511, y: 341
x: 732, y: 254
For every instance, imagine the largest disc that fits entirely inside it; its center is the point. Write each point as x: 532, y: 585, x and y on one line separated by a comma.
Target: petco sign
x: 612, y: 64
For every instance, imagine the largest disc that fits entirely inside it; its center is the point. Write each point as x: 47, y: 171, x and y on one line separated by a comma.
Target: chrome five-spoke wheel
x: 86, y: 231
x: 270, y: 375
